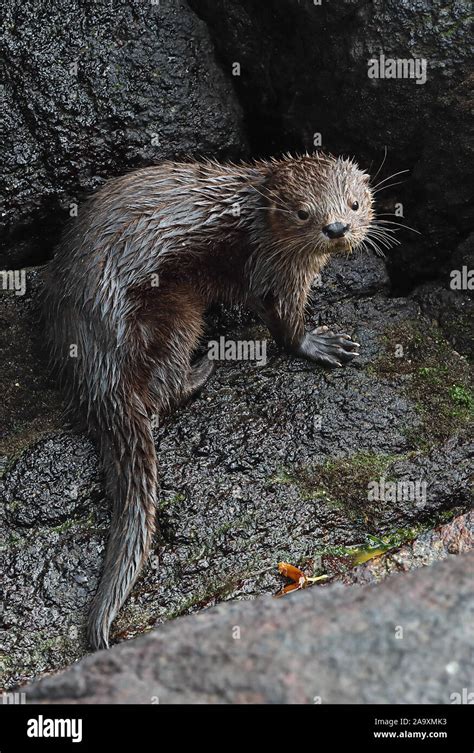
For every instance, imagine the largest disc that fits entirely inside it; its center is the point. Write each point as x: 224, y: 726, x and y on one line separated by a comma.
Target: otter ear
x: 365, y: 178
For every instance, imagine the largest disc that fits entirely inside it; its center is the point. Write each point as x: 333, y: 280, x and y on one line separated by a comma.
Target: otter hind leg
x: 199, y: 374
x: 175, y: 320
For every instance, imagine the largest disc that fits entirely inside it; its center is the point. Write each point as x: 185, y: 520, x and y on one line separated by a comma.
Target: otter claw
x: 327, y: 347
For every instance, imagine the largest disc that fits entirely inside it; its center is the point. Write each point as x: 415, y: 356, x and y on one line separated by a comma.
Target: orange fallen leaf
x: 300, y: 580
x: 291, y: 572
x: 288, y: 589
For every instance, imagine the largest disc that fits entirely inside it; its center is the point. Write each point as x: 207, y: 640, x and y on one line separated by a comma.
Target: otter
x: 128, y: 288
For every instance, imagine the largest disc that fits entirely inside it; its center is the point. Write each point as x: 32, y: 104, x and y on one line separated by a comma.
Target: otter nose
x: 335, y: 230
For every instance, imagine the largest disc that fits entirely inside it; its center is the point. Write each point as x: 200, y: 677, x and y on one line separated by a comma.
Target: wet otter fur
x: 128, y: 288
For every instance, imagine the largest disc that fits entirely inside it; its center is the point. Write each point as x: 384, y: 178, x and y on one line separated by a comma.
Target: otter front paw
x: 327, y: 347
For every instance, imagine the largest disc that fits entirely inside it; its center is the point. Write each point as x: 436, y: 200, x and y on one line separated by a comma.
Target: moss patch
x: 343, y: 482
x: 437, y: 379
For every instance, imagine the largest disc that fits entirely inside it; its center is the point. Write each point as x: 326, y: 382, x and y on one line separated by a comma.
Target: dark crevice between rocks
x: 304, y: 70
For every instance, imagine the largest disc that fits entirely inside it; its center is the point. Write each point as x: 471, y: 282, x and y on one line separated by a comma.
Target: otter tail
x: 129, y: 458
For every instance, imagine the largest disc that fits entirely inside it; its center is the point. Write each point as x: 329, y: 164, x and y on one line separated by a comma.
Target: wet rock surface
x: 271, y: 462
x: 449, y: 302
x: 91, y: 92
x: 30, y: 402
x: 322, y: 645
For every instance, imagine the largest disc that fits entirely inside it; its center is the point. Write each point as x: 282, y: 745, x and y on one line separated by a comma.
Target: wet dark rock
x: 30, y: 403
x: 450, y: 301
x: 269, y: 463
x: 452, y: 310
x: 69, y: 482
x: 348, y: 279
x: 405, y: 641
x: 92, y: 92
x: 304, y: 71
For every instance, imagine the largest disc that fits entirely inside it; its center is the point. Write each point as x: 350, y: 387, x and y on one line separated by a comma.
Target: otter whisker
x: 382, y: 163
x: 389, y: 177
x: 390, y: 230
x: 363, y: 248
x: 383, y: 231
x: 272, y: 209
x: 400, y: 224
x: 386, y: 243
x: 386, y: 231
x: 391, y: 185
x: 383, y: 241
x: 375, y: 247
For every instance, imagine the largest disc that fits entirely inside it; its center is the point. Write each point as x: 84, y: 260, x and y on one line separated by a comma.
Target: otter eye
x: 303, y: 215
x: 355, y: 206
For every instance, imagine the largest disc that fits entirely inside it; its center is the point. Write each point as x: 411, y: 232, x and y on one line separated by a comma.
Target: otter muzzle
x: 335, y: 230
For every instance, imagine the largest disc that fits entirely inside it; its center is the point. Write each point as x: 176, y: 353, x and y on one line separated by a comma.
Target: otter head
x: 319, y: 204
